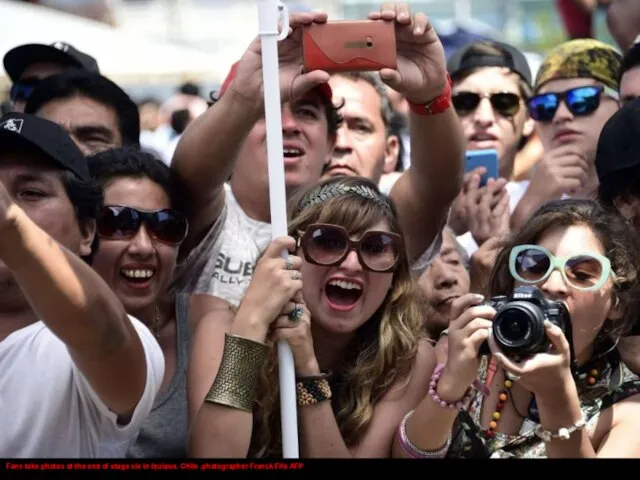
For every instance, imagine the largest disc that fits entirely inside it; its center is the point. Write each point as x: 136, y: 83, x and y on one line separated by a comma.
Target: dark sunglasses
x: 329, y: 245
x: 118, y: 222
x: 21, y: 91
x: 580, y: 101
x: 505, y: 103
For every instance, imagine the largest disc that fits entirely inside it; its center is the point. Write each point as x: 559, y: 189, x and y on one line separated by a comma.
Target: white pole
x: 269, y: 12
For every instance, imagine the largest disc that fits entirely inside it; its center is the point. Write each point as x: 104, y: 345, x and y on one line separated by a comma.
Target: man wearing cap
x: 231, y: 137
x: 79, y: 376
x: 96, y: 113
x: 575, y: 93
x: 28, y: 64
x: 491, y: 85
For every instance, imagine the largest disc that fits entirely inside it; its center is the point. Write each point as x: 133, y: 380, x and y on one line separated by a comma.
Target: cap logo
x: 13, y: 125
x: 61, y: 46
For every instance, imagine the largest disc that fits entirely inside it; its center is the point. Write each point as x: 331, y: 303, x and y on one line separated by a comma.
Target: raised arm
x: 427, y: 189
x: 205, y: 155
x: 77, y: 306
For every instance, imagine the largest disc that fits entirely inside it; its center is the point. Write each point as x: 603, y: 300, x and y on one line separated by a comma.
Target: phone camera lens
x: 369, y: 42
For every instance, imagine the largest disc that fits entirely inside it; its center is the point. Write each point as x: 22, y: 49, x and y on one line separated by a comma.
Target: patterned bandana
x: 583, y: 58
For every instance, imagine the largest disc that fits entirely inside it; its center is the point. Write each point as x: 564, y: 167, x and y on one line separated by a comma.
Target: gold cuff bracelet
x: 237, y: 379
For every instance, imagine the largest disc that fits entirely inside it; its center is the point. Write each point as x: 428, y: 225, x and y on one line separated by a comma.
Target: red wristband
x: 438, y: 105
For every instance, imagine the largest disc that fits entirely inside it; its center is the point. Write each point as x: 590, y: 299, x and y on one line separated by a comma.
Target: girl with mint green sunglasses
x: 533, y: 264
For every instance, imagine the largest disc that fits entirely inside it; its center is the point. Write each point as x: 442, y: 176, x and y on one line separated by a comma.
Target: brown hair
x: 384, y: 348
x: 609, y: 228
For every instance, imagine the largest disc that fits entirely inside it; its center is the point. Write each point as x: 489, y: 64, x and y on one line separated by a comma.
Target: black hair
x: 332, y: 112
x: 92, y: 85
x: 397, y: 127
x: 180, y: 119
x: 189, y: 88
x: 130, y: 162
x: 86, y: 196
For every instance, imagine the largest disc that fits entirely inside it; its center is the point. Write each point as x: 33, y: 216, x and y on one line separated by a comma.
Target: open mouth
x: 342, y: 294
x: 483, y: 137
x: 292, y: 152
x: 137, y: 276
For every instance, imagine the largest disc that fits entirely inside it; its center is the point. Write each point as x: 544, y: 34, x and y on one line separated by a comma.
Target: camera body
x: 518, y: 326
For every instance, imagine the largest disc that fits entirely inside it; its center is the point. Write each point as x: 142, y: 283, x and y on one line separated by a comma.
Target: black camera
x: 518, y: 326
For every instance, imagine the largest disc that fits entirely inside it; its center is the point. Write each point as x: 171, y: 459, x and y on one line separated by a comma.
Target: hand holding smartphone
x: 339, y: 46
x: 483, y: 158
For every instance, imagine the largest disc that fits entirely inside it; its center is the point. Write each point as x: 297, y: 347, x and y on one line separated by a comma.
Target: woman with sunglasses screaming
x: 575, y: 93
x: 567, y: 394
x: 346, y: 303
x: 139, y: 233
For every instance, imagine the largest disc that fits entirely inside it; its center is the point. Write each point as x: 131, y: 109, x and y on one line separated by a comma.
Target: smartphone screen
x: 483, y: 158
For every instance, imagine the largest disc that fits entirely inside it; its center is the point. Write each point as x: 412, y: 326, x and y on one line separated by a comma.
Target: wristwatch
x: 438, y: 105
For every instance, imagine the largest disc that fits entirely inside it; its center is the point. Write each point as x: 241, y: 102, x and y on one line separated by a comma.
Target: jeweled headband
x: 324, y: 193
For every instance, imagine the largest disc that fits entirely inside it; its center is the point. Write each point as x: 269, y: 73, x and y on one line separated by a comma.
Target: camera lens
x: 518, y: 328
x: 514, y: 327
x: 369, y: 42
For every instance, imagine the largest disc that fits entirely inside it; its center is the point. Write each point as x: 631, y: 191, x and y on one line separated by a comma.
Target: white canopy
x: 121, y: 55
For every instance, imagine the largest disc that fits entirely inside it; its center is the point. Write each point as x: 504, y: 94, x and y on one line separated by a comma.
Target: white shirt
x: 49, y: 410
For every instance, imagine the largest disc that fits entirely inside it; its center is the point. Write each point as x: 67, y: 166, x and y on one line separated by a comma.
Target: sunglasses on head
x: 585, y: 271
x: 580, y: 101
x: 505, y: 103
x: 329, y: 245
x: 117, y: 222
x: 22, y: 90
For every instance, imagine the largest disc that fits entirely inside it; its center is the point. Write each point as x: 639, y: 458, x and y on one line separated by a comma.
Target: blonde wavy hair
x: 384, y: 348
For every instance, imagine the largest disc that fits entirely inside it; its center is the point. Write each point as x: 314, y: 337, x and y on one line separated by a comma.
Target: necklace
x: 589, y: 378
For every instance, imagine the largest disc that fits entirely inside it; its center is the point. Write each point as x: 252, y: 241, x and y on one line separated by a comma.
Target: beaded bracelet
x: 414, y: 451
x: 459, y: 405
x: 562, y: 434
x: 312, y: 390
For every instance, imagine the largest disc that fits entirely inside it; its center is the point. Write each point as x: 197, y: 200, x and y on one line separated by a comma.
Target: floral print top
x: 615, y: 383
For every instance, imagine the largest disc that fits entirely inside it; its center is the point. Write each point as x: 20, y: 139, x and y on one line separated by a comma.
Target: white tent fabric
x: 121, y: 55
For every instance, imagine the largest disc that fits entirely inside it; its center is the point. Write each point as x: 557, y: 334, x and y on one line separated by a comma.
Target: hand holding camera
x: 529, y: 339
x: 402, y: 46
x: 525, y: 332
x: 294, y: 83
x: 468, y: 330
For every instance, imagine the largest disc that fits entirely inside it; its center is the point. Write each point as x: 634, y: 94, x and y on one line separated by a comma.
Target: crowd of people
x: 431, y: 312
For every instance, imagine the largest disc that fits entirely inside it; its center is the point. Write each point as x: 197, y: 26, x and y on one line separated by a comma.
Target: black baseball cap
x: 48, y: 138
x: 619, y: 142
x: 467, y: 58
x: 19, y: 58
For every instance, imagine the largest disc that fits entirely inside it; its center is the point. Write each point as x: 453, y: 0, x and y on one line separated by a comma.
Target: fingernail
x: 548, y: 324
x: 479, y: 298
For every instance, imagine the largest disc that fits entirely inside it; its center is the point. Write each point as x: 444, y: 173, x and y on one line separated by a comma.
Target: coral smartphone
x: 345, y: 45
x: 483, y: 158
